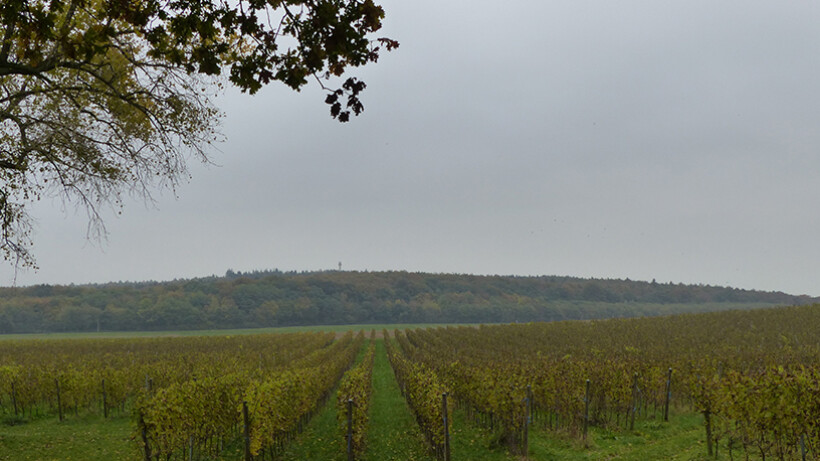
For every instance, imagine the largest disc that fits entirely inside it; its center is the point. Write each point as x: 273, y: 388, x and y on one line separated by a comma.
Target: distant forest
x: 274, y: 298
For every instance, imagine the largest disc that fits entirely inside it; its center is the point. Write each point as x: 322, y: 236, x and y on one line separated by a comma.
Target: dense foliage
x: 279, y: 299
x: 105, y: 98
x: 129, y: 365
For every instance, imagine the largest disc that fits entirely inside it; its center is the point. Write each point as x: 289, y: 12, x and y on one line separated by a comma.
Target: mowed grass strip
x: 682, y: 438
x: 83, y: 438
x: 321, y: 439
x: 469, y: 441
x: 393, y: 434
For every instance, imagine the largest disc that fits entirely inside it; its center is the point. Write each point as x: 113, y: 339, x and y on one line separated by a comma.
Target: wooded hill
x: 274, y: 298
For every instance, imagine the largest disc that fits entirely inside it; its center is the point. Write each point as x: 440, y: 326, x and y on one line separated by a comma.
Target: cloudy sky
x: 674, y: 140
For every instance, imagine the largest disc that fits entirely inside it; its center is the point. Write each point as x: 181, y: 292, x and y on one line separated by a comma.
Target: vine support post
x: 527, y: 421
x: 446, y: 426
x: 350, y: 456
x: 144, y: 433
x: 247, y: 431
x: 104, y: 400
x: 14, y: 398
x: 803, y: 446
x: 59, y: 401
x: 586, y: 410
x: 707, y: 416
x: 668, y: 396
x: 634, y: 407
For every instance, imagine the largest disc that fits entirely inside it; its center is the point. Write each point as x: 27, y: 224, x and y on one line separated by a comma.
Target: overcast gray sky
x: 674, y: 140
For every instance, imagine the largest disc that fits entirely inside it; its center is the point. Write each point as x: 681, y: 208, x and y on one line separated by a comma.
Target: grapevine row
x: 353, y: 403
x: 424, y: 392
x: 103, y: 374
x: 270, y: 408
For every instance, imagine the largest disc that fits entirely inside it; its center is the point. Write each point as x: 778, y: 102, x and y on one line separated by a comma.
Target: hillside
x: 273, y: 298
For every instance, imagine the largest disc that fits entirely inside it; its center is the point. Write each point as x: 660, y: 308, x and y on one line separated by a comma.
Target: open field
x: 229, y: 332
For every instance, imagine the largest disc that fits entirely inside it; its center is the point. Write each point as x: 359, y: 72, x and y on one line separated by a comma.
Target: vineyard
x: 749, y: 379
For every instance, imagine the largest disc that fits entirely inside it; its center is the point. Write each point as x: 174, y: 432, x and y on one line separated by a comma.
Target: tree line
x: 275, y: 298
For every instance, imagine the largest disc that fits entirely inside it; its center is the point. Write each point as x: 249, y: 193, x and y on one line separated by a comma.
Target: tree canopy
x: 99, y: 98
x: 274, y: 298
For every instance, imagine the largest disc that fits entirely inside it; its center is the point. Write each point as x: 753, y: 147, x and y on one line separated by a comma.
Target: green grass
x: 469, y: 441
x: 679, y: 439
x: 246, y: 331
x: 82, y: 438
x: 321, y: 439
x: 393, y: 434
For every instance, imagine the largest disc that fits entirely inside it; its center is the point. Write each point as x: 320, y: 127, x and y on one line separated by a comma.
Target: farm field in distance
x: 338, y: 329
x: 728, y: 385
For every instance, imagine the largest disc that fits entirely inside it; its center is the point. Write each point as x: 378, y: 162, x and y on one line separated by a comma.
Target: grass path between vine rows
x: 393, y: 434
x: 321, y: 439
x: 85, y: 438
x: 680, y: 439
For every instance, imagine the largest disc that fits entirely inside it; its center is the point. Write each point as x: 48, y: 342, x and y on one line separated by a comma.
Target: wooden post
x: 527, y: 421
x: 707, y: 415
x: 586, y: 410
x: 668, y: 396
x: 350, y: 456
x: 247, y: 430
x: 104, y: 402
x: 803, y: 446
x: 145, y: 443
x: 14, y: 398
x: 446, y: 427
x: 59, y: 402
x: 634, y: 407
